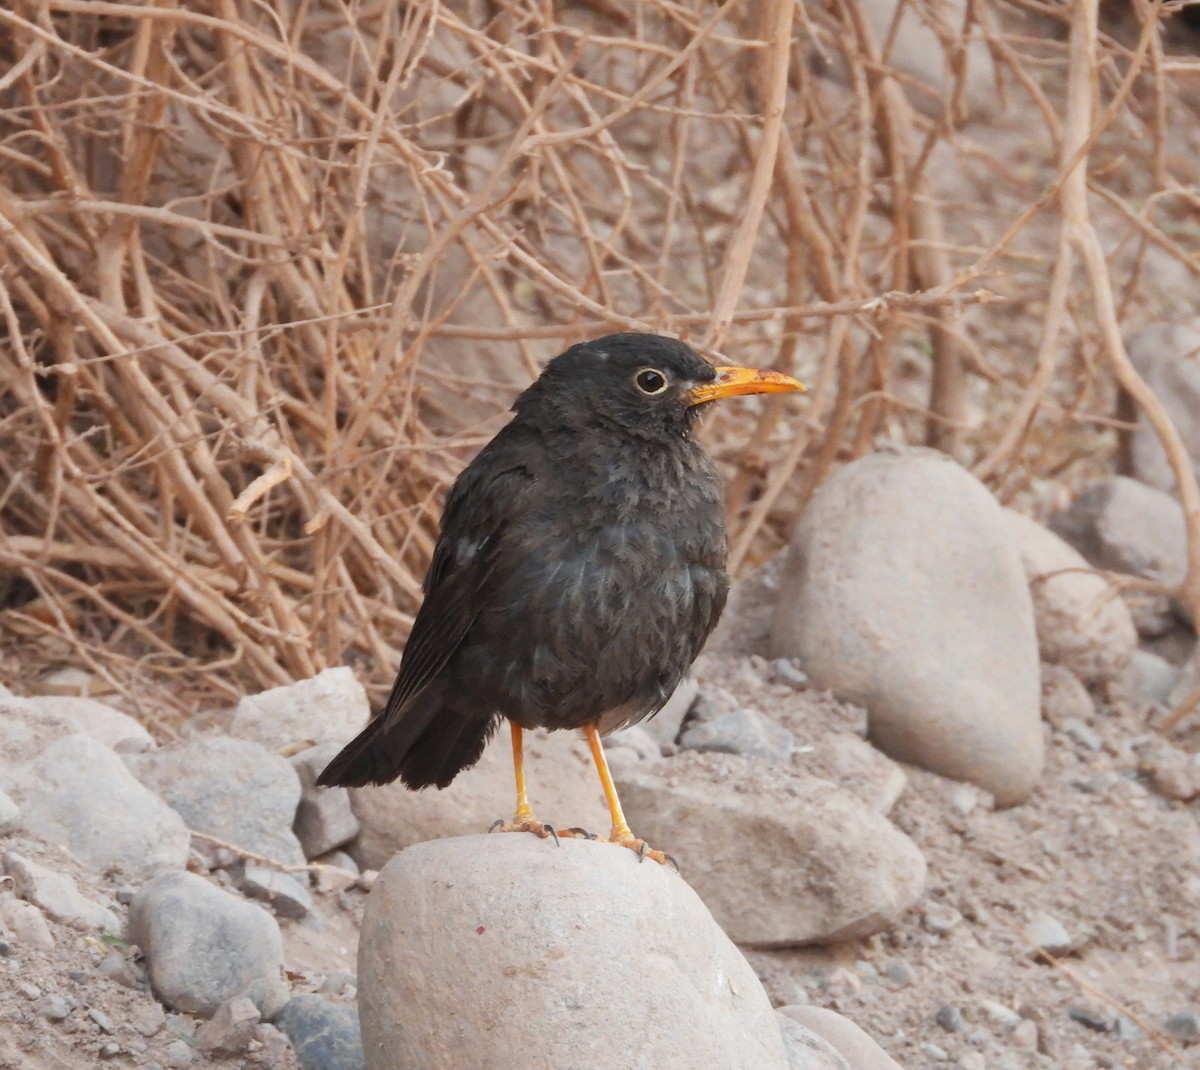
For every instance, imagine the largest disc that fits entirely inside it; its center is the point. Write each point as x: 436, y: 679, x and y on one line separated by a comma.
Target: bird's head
x: 646, y: 385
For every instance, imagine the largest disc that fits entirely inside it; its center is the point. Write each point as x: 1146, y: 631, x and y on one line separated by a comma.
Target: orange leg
x: 621, y: 833
x: 524, y: 819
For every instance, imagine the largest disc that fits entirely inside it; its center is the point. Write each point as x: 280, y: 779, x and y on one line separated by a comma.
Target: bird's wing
x: 478, y: 509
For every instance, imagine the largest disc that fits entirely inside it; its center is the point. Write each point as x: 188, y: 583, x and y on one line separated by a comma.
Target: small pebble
x: 900, y: 972
x: 53, y: 1008
x: 1025, y: 1035
x: 972, y: 1061
x: 366, y: 879
x: 1049, y: 934
x: 1128, y: 1029
x: 950, y: 1019
x: 940, y: 919
x: 102, y: 1020
x: 178, y: 1054
x: 999, y: 1014
x: 5, y: 949
x: 109, y: 1050
x: 786, y: 671
x: 933, y: 1053
x: 29, y: 991
x: 1183, y: 1026
x: 1079, y: 733
x: 124, y: 894
x: 1088, y: 1020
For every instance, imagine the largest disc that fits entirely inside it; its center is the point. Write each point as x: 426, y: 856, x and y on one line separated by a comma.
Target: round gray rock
x: 506, y: 950
x: 904, y: 592
x: 204, y: 946
x: 1082, y: 623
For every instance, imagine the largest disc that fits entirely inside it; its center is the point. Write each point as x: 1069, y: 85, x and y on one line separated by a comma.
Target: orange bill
x: 732, y: 381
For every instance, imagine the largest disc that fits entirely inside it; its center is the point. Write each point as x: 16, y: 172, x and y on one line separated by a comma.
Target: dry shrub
x: 270, y: 270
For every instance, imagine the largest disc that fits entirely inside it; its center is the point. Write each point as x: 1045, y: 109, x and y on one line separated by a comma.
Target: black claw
x: 549, y: 830
x: 584, y: 833
x: 643, y: 847
x: 671, y: 859
x: 496, y: 824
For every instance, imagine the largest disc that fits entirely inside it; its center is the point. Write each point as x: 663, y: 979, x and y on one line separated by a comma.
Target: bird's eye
x: 650, y: 381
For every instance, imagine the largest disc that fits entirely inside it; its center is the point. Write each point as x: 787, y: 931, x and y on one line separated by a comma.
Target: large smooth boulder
x: 91, y: 718
x: 507, y: 950
x: 852, y: 1043
x: 1168, y: 356
x: 779, y: 857
x: 904, y: 592
x: 562, y: 782
x: 1082, y: 623
x: 77, y: 793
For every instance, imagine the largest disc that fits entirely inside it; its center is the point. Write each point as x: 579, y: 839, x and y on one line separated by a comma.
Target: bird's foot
x: 625, y: 838
x: 525, y: 823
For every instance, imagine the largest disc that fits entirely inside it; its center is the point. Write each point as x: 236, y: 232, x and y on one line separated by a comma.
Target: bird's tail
x: 427, y: 743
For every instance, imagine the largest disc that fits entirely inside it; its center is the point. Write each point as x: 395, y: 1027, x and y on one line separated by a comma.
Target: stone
x: 324, y: 819
x: 102, y: 723
x: 24, y: 733
x: 232, y: 789
x: 903, y: 592
x: 741, y: 731
x: 1064, y: 698
x: 178, y: 1054
x: 1183, y: 1026
x: 53, y: 1008
x: 1122, y: 525
x: 10, y: 814
x: 562, y: 782
x: 940, y: 918
x: 1081, y: 735
x: 77, y: 793
x: 781, y: 859
x: 664, y: 726
x: 1081, y: 621
x: 56, y: 894
x: 27, y: 924
x: 851, y: 1042
x: 1150, y: 678
x: 324, y: 1035
x: 1024, y: 1035
x: 330, y: 707
x: 852, y: 763
x: 454, y: 916
x: 1047, y: 933
x: 805, y: 1049
x: 283, y: 892
x: 230, y: 1030
x: 204, y: 946
x: 950, y: 1018
x: 1168, y: 357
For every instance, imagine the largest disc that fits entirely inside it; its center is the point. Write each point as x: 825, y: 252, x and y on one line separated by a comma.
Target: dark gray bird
x: 579, y: 570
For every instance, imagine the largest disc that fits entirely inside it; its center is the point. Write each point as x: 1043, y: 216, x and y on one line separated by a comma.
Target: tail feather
x: 429, y: 743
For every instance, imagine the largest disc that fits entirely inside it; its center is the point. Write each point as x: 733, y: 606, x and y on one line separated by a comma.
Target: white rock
x: 807, y: 1050
x: 57, y: 894
x: 1168, y: 356
x: 780, y: 859
x: 77, y: 793
x: 903, y: 593
x: 331, y: 706
x: 852, y: 1043
x: 27, y: 924
x: 562, y: 782
x: 10, y: 814
x: 1150, y: 678
x: 91, y: 718
x: 549, y: 942
x: 24, y: 733
x: 1082, y: 622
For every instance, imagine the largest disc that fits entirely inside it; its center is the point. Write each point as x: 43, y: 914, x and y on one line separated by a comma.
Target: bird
x: 579, y: 569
